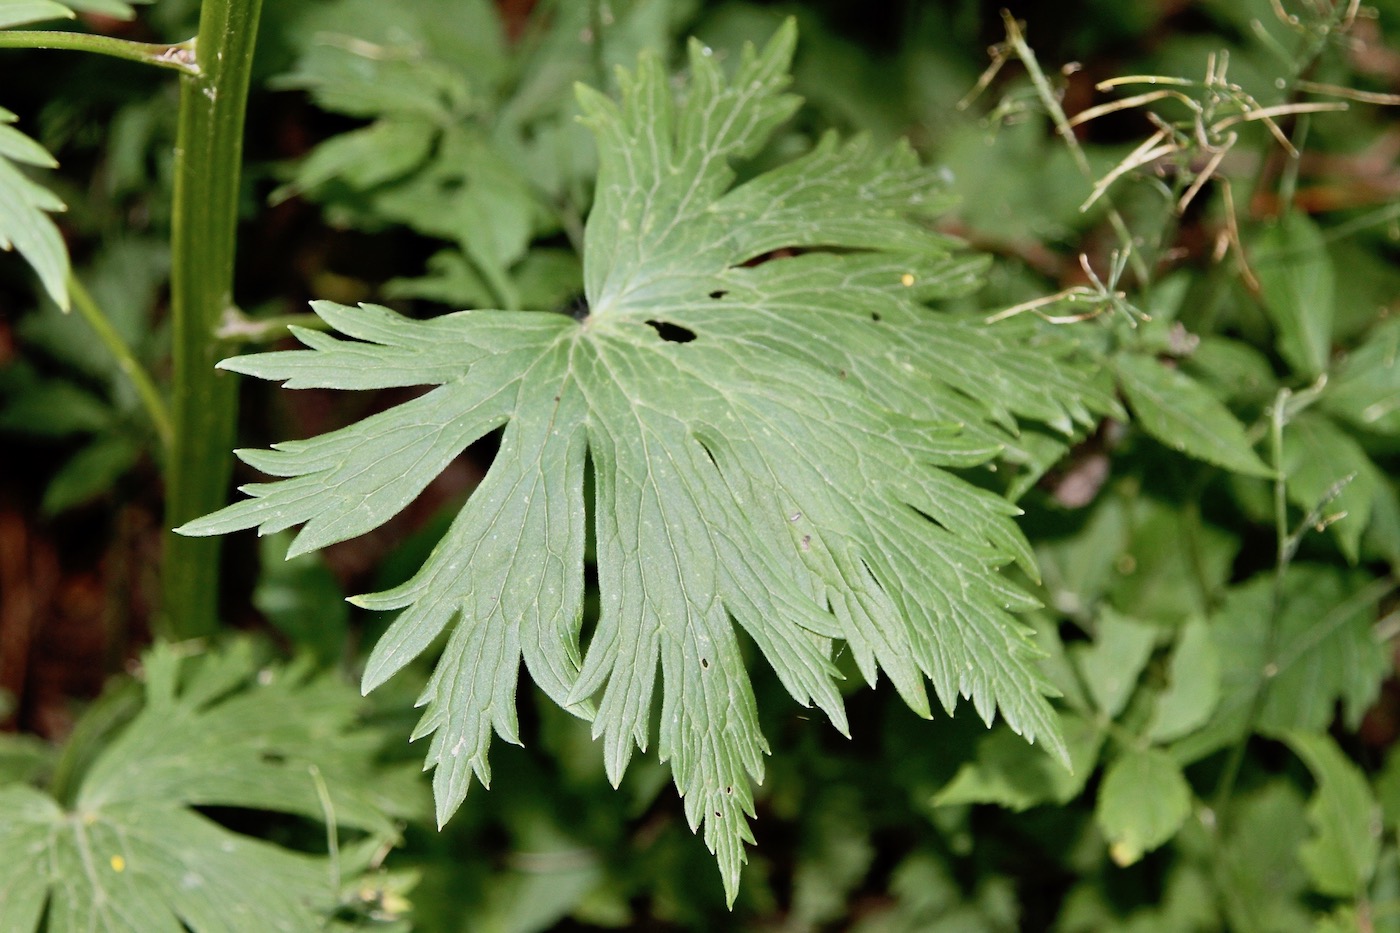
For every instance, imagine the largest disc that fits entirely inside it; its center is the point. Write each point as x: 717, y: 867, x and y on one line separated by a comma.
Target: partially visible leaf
x: 120, y: 9
x: 1259, y: 860
x: 362, y: 158
x: 928, y: 899
x: 1147, y: 557
x: 54, y: 408
x: 90, y: 472
x: 1320, y: 650
x: 1232, y: 370
x: 1365, y: 389
x: 1180, y: 413
x: 216, y: 731
x: 1295, y: 276
x: 23, y: 12
x: 423, y: 58
x: 1142, y: 802
x: 1111, y: 666
x: 302, y: 599
x: 23, y: 758
x: 545, y: 278
x: 125, y: 278
x: 25, y: 207
x: 1346, y: 820
x: 836, y: 851
x: 1321, y: 462
x: 1188, y: 902
x: 1010, y: 774
x: 1193, y: 686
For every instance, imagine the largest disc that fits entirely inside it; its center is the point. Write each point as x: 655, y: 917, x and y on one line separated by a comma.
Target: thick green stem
x: 179, y: 57
x: 209, y: 152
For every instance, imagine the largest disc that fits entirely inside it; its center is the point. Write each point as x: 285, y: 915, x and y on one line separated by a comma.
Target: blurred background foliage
x: 1224, y: 641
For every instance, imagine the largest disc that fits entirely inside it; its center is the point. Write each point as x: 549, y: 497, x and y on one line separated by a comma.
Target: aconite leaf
x: 753, y: 388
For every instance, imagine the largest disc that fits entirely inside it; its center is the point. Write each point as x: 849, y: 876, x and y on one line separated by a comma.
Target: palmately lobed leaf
x: 132, y: 854
x: 750, y: 392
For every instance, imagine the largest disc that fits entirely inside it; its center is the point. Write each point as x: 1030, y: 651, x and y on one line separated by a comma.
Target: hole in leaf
x: 875, y: 316
x: 705, y: 663
x: 672, y: 333
x: 577, y: 308
x: 718, y: 293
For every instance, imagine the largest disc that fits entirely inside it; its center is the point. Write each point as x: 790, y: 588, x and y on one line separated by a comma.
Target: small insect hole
x: 718, y: 815
x: 672, y: 333
x: 874, y: 316
x: 705, y: 663
x: 718, y: 293
x: 729, y: 790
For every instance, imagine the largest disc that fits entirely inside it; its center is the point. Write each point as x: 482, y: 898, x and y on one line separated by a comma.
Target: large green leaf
x: 131, y: 854
x: 25, y: 207
x: 759, y: 447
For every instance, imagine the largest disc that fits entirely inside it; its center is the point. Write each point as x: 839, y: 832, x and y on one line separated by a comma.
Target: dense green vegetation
x: 724, y: 376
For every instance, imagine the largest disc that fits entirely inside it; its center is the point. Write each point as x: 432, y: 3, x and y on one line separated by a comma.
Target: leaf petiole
x: 178, y: 57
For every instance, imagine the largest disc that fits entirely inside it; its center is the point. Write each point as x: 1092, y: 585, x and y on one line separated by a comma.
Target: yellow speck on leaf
x: 118, y: 863
x: 907, y: 279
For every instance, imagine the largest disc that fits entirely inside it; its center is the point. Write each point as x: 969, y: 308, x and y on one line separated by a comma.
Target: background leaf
x: 1346, y: 820
x: 1111, y: 666
x: 1193, y: 685
x: 1179, y: 413
x: 23, y: 12
x: 1320, y: 650
x: 1143, y: 801
x: 217, y: 730
x: 1295, y: 275
x: 25, y: 207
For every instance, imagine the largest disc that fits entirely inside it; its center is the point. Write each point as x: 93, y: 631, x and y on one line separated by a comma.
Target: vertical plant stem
x: 1051, y: 102
x: 1283, y: 556
x: 209, y: 152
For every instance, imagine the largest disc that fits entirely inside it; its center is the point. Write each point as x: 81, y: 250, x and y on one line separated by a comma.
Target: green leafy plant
x: 121, y: 844
x: 728, y: 415
x: 1092, y: 424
